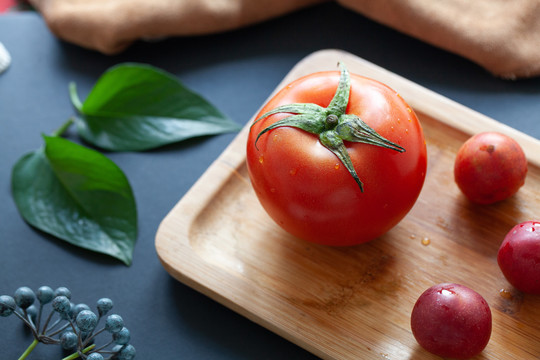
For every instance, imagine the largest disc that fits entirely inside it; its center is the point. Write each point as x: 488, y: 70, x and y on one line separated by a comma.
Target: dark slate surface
x: 236, y: 71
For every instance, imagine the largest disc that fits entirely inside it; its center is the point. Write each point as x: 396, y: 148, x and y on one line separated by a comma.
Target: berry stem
x: 29, y: 349
x: 38, y: 320
x: 79, y: 340
x: 46, y: 325
x: 92, y: 336
x: 56, y: 332
x: 101, y: 348
x: 29, y: 318
x: 55, y: 324
x: 25, y: 320
x: 76, y: 354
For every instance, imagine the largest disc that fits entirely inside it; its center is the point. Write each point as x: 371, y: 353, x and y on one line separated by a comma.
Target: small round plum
x: 451, y: 320
x: 519, y: 257
x: 490, y: 167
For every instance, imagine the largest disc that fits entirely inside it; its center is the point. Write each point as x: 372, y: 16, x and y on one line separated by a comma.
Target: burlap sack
x: 502, y: 36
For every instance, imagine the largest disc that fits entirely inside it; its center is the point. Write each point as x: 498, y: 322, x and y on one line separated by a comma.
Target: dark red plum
x: 452, y: 321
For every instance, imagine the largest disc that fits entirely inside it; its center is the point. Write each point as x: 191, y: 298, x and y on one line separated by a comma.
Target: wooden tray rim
x: 433, y: 104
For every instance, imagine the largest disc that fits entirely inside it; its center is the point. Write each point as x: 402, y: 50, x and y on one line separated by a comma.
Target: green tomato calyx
x: 332, y: 124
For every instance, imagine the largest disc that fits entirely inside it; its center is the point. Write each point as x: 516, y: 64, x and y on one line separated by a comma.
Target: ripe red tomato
x: 451, y: 320
x: 308, y: 189
x: 519, y: 257
x: 490, y: 167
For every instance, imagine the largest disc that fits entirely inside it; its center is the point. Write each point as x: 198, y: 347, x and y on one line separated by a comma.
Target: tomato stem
x: 332, y: 124
x: 331, y: 121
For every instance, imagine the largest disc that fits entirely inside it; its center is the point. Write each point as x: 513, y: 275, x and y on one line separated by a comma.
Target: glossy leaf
x: 77, y: 195
x: 135, y: 107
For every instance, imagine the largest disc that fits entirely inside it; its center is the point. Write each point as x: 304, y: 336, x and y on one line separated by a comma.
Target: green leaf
x: 77, y: 195
x: 135, y: 107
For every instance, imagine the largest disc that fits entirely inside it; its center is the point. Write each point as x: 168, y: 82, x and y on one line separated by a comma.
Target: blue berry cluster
x: 73, y: 326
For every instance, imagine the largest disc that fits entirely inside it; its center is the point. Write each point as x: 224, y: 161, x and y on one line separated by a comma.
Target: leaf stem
x: 74, y: 97
x: 76, y: 355
x: 64, y: 127
x: 29, y: 349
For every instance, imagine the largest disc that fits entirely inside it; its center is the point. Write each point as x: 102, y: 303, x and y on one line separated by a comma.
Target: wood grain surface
x: 355, y: 303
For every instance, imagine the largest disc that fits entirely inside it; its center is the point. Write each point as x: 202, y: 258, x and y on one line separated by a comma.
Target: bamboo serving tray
x: 355, y: 303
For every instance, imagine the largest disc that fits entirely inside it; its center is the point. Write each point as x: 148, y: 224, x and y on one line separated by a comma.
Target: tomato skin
x: 519, y: 257
x: 490, y: 167
x: 451, y: 320
x: 309, y: 192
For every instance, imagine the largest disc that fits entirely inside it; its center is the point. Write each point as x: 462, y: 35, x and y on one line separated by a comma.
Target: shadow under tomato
x: 333, y: 279
x: 342, y: 291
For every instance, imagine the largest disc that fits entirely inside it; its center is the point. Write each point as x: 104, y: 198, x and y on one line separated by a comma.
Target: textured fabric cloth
x: 500, y: 35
